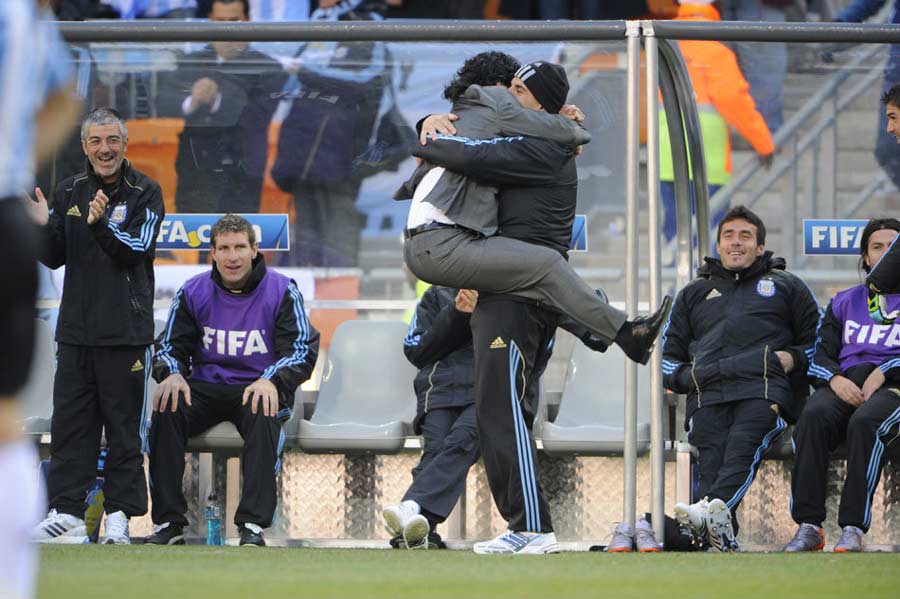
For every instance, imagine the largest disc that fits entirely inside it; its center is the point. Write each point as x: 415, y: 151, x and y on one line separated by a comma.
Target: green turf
x: 222, y: 573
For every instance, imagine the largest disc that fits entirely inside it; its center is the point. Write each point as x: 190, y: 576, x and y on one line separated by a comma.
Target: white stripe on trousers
x: 523, y: 446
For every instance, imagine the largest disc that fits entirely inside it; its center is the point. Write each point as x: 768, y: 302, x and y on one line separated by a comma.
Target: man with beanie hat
x: 538, y: 182
x: 459, y: 215
x: 547, y: 82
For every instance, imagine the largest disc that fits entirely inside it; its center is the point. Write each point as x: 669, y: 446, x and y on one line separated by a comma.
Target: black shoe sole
x: 176, y: 540
x: 663, y: 315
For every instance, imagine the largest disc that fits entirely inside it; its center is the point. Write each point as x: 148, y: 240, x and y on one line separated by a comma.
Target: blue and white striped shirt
x: 148, y: 9
x: 34, y: 63
x: 279, y: 10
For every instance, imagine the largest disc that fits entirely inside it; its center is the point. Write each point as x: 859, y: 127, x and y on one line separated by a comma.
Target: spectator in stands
x: 887, y: 152
x: 439, y: 344
x: 39, y: 109
x: 210, y: 372
x: 764, y: 64
x: 227, y: 94
x: 154, y: 9
x: 280, y: 10
x: 331, y: 122
x: 855, y: 369
x: 723, y: 100
x: 103, y: 229
x: 737, y: 344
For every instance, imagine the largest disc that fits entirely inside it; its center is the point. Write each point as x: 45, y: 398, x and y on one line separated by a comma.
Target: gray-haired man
x: 103, y: 228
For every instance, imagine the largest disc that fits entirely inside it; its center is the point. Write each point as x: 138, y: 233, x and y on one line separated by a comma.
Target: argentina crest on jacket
x: 765, y: 287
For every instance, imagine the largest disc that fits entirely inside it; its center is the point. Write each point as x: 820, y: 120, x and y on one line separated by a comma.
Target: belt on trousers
x: 410, y: 233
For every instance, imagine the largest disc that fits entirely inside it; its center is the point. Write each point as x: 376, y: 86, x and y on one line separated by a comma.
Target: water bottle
x: 95, y: 501
x: 213, y: 521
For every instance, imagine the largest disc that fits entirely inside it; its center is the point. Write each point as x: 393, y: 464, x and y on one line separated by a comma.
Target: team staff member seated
x: 856, y: 371
x: 237, y: 344
x: 736, y: 335
x: 103, y: 228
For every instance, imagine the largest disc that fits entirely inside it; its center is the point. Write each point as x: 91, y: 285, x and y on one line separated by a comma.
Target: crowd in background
x: 325, y: 178
x: 263, y: 10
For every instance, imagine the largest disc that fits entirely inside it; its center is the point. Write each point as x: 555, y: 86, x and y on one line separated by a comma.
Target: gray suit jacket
x: 488, y: 115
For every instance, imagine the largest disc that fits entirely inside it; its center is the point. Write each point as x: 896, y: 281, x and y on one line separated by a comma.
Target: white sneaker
x: 61, y: 529
x: 415, y: 532
x: 519, y: 543
x: 645, y: 538
x: 718, y: 522
x: 694, y: 517
x: 117, y: 529
x: 396, y: 516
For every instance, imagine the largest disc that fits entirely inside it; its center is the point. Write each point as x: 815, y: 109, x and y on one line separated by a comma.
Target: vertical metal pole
x: 829, y: 177
x: 232, y: 495
x: 657, y: 448
x: 794, y: 251
x: 632, y: 33
x: 814, y: 179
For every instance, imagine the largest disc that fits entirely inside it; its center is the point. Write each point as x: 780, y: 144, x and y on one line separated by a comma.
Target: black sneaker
x: 636, y: 337
x: 251, y: 534
x: 166, y: 534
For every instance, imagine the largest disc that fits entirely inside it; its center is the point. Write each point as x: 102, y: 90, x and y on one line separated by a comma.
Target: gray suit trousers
x: 460, y: 258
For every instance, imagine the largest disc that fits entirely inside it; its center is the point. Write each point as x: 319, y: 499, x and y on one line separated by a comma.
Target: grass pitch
x: 117, y: 572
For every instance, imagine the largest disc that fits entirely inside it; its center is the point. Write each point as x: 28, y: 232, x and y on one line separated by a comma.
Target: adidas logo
x: 74, y: 211
x: 713, y: 294
x: 498, y: 343
x: 137, y: 366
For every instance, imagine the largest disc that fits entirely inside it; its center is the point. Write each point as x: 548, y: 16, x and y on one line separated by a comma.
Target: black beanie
x: 547, y: 82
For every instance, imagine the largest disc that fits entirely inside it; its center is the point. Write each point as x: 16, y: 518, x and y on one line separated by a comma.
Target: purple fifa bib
x: 862, y: 340
x: 237, y: 331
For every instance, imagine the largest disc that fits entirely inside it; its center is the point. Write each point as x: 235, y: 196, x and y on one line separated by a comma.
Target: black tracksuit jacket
x: 720, y: 341
x: 439, y: 344
x: 108, y: 291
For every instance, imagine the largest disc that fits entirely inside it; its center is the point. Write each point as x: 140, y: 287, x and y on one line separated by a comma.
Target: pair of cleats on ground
x: 810, y: 537
x: 65, y: 529
x: 405, y: 523
x: 709, y: 522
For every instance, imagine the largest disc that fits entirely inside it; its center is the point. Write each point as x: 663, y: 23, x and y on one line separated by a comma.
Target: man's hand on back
x: 570, y: 111
x: 262, y: 394
x: 437, y: 124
